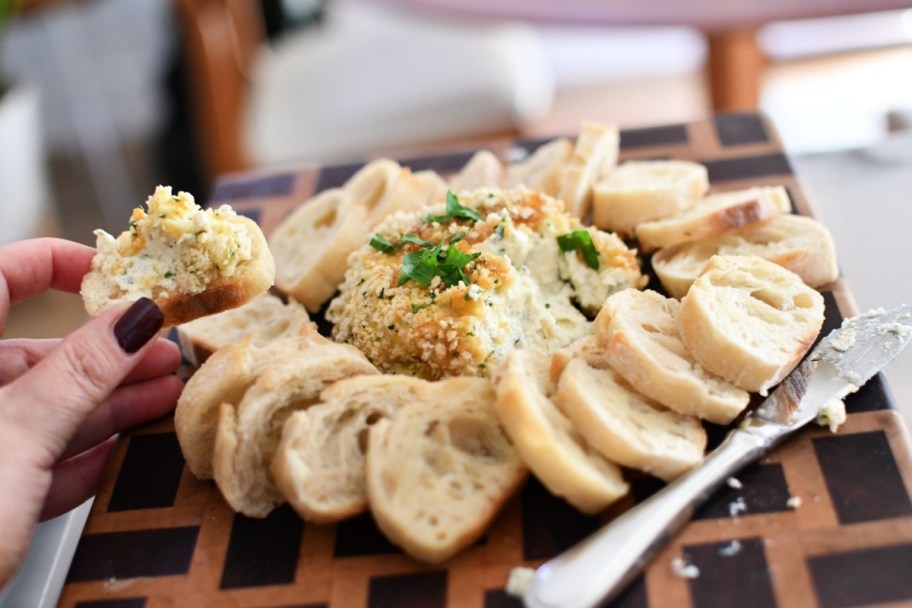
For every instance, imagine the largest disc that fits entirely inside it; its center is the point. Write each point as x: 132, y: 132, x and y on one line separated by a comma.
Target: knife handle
x: 603, y: 564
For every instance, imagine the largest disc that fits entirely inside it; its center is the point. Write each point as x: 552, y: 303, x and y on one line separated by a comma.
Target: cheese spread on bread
x: 173, y: 247
x: 512, y: 285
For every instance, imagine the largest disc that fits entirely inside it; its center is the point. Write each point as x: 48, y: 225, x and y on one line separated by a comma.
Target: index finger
x: 28, y: 268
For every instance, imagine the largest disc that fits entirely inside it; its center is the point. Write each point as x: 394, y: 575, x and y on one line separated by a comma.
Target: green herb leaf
x: 422, y: 266
x: 169, y: 274
x: 455, y: 210
x: 580, y: 241
x: 381, y: 243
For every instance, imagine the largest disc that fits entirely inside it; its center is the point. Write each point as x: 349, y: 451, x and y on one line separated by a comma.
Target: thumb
x: 52, y: 400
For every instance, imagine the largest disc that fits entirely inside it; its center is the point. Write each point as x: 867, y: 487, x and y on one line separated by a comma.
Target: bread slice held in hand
x: 749, y: 320
x: 714, y: 215
x: 192, y: 262
x: 319, y: 465
x: 646, y: 190
x: 795, y: 242
x: 440, y: 470
x: 638, y: 331
x: 627, y: 427
x: 264, y: 319
x: 550, y: 445
x: 248, y: 435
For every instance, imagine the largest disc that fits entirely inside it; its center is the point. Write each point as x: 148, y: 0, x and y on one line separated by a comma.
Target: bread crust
x: 644, y: 191
x: 627, y: 427
x: 549, y: 443
x: 795, y: 242
x: 749, y: 320
x: 264, y: 319
x: 224, y: 379
x: 319, y: 464
x: 441, y: 469
x: 247, y: 436
x: 639, y: 334
x: 714, y: 215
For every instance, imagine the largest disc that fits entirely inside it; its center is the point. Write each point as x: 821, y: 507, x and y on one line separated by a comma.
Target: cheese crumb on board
x: 681, y: 568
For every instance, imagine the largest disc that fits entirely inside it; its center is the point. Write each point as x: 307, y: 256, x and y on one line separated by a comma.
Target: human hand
x: 62, y: 402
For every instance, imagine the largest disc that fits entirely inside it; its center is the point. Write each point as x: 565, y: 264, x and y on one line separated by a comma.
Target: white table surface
x: 863, y: 197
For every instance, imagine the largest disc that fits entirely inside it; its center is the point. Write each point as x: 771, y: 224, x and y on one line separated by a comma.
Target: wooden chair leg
x: 735, y: 67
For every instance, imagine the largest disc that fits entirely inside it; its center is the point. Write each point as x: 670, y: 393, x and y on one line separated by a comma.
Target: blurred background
x: 104, y: 99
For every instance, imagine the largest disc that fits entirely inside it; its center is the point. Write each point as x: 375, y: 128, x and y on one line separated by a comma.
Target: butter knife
x: 599, y: 567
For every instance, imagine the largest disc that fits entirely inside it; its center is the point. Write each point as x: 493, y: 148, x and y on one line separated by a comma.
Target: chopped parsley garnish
x: 381, y: 243
x: 435, y: 261
x: 580, y: 241
x: 169, y: 274
x: 455, y: 210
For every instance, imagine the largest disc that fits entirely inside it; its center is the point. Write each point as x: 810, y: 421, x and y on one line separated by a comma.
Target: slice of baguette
x: 372, y: 182
x: 542, y: 172
x: 191, y: 262
x: 798, y: 243
x: 646, y: 190
x: 627, y: 427
x: 749, y: 320
x: 714, y: 215
x: 319, y: 464
x: 264, y: 319
x: 595, y: 152
x: 410, y: 192
x: 248, y: 435
x: 550, y: 445
x: 484, y: 170
x: 441, y: 469
x: 224, y: 378
x: 638, y: 331
x: 586, y: 348
x: 312, y: 244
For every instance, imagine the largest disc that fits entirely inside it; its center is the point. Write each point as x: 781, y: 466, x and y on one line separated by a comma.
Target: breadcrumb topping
x: 522, y: 290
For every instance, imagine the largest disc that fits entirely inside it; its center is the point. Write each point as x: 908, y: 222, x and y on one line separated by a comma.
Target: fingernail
x: 138, y: 325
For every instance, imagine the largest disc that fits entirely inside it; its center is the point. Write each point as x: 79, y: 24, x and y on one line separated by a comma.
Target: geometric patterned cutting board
x: 159, y: 537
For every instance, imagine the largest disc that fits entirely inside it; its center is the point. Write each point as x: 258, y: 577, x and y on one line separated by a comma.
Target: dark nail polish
x: 138, y: 325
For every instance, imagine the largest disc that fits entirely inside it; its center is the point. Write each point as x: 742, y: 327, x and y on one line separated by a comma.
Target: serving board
x: 159, y: 537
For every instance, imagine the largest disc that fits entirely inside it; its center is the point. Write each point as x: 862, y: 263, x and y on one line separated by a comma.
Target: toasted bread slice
x: 264, y: 319
x: 373, y: 182
x: 440, y: 470
x: 484, y: 170
x: 627, y: 427
x: 798, y: 243
x: 550, y: 445
x: 319, y: 465
x: 225, y: 378
x: 332, y: 225
x: 714, y: 215
x: 595, y: 152
x: 646, y: 190
x: 586, y: 348
x: 749, y: 320
x: 191, y: 262
x: 543, y: 170
x: 410, y: 192
x: 248, y: 435
x: 641, y: 341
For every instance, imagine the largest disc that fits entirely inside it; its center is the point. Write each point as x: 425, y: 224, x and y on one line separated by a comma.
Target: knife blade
x: 598, y: 568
